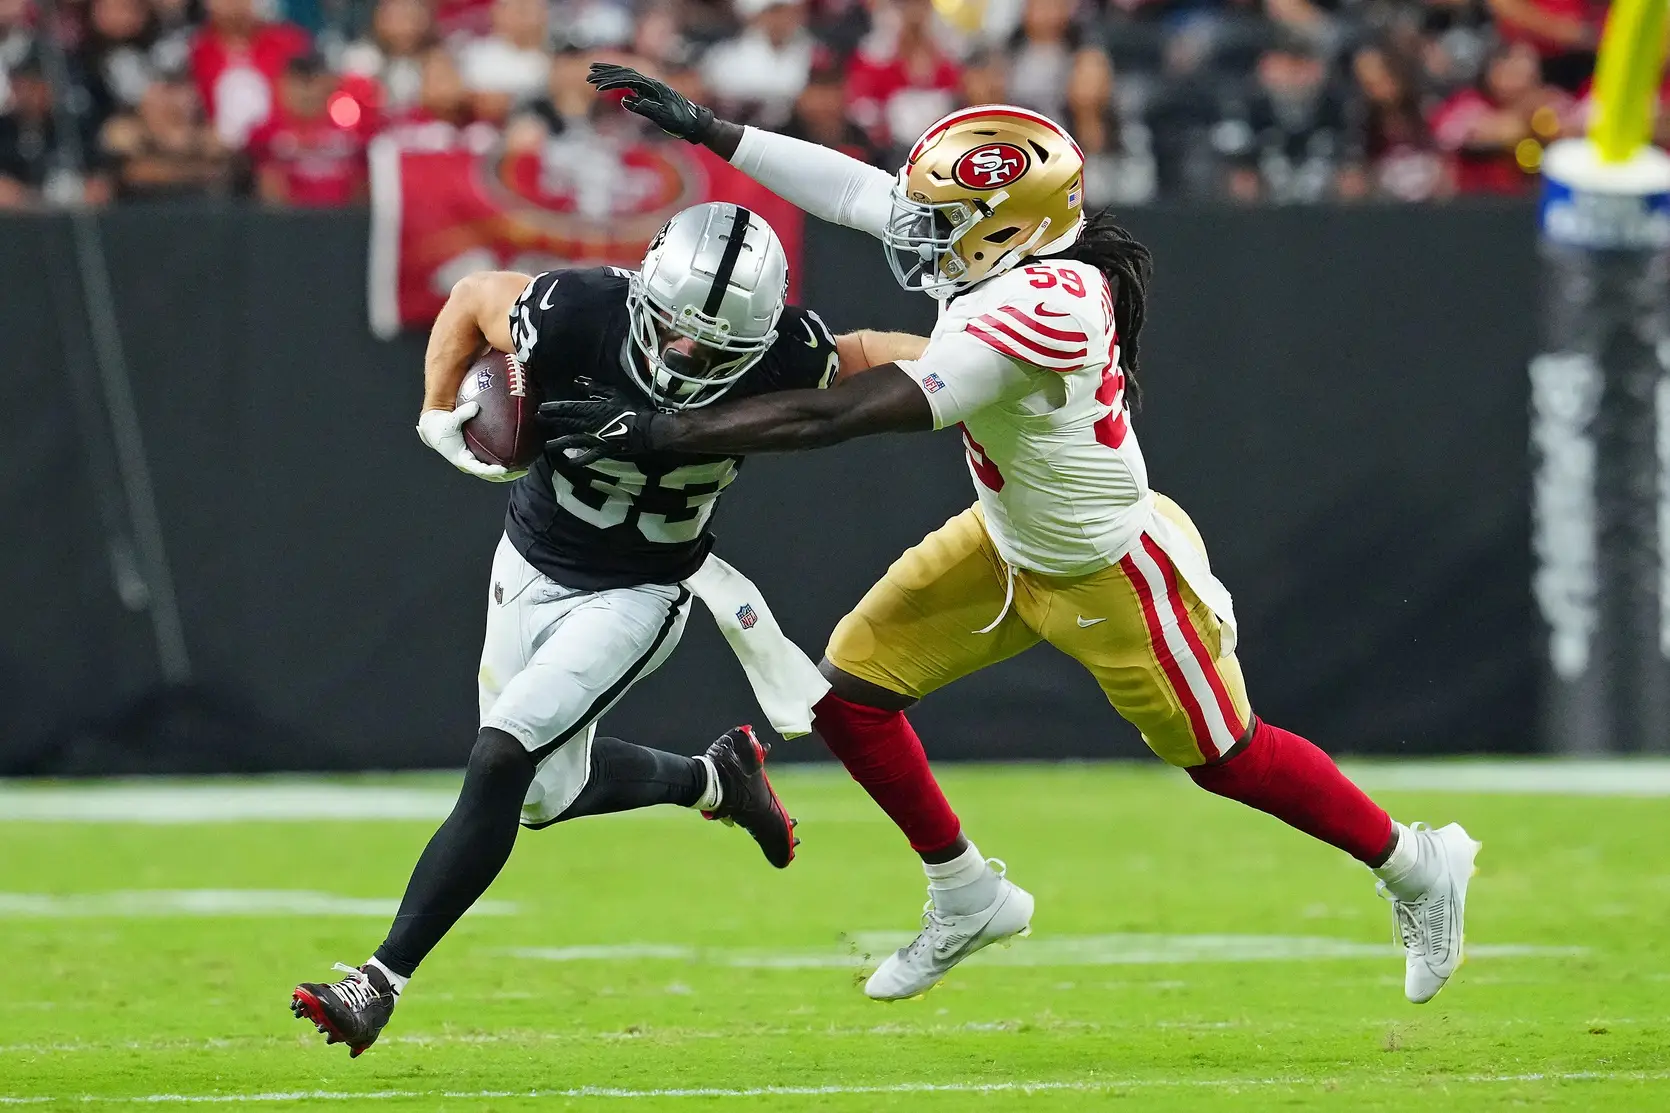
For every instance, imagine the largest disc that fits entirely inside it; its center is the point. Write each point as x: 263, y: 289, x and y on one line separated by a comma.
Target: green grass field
x: 1187, y: 955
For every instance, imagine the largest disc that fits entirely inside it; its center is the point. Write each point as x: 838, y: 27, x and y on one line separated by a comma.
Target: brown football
x: 506, y: 431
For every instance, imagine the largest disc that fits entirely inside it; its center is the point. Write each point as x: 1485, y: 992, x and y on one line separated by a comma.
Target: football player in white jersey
x: 1035, y: 358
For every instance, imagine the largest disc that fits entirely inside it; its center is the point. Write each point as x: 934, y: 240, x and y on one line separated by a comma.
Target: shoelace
x: 1408, y: 927
x: 935, y: 923
x: 1405, y: 922
x: 932, y: 924
x: 356, y: 990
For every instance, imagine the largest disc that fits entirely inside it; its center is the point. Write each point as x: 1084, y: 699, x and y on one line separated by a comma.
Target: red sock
x: 1282, y: 774
x: 881, y: 751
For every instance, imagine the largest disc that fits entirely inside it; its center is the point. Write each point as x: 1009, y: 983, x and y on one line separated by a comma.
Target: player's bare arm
x: 477, y: 312
x: 882, y: 400
x: 867, y: 348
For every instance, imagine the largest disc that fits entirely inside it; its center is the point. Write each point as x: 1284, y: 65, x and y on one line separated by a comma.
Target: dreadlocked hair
x: 1129, y: 266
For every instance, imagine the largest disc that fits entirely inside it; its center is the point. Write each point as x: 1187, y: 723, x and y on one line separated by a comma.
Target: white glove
x: 443, y: 430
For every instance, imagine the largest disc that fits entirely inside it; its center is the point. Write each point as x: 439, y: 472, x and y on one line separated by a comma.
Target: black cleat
x: 747, y: 798
x: 351, y: 1011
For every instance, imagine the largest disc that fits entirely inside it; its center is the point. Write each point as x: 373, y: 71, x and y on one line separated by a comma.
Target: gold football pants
x: 1145, y: 636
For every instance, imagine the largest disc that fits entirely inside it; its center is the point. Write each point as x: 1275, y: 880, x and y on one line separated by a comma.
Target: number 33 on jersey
x: 615, y: 523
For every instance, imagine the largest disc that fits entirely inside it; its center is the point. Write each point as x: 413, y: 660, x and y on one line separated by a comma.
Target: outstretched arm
x: 881, y: 400
x: 824, y: 182
x: 956, y: 377
x: 884, y: 399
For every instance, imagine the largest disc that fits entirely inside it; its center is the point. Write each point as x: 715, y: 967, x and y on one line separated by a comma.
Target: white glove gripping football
x: 443, y: 430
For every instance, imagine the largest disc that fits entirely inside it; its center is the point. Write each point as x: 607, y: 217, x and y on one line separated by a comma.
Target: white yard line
x: 1129, y: 949
x: 302, y: 799
x: 172, y: 803
x: 206, y: 801
x: 515, y: 1037
x: 125, y: 904
x: 673, y: 1035
x: 1531, y: 777
x: 1089, y: 1085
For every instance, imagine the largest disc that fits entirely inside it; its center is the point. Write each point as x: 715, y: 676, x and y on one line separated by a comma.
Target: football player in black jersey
x: 588, y: 589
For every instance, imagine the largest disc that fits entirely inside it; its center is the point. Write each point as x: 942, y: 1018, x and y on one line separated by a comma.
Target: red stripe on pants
x: 1168, y: 662
x: 1192, y: 636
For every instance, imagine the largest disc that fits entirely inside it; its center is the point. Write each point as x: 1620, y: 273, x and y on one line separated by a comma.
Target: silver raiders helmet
x: 716, y: 275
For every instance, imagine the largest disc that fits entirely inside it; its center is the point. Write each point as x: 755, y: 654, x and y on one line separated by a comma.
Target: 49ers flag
x: 447, y: 210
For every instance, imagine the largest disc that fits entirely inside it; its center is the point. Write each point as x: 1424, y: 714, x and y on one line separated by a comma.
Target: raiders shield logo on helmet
x: 992, y: 166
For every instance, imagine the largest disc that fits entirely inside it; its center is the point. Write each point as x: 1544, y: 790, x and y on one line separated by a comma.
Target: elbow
x: 853, y: 350
x: 469, y: 291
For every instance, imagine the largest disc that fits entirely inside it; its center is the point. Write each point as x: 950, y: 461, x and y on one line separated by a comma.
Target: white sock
x: 1407, y: 873
x: 713, y: 795
x: 963, y: 885
x: 396, y: 981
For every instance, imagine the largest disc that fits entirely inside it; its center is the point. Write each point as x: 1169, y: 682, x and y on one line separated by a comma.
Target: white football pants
x: 555, y: 659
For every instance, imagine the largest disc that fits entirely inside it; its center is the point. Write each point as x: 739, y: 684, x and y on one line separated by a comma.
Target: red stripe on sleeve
x: 1073, y: 359
x: 1043, y: 329
x: 994, y: 342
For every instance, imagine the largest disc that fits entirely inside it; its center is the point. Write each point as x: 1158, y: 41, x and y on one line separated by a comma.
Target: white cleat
x: 946, y: 940
x: 1430, y: 927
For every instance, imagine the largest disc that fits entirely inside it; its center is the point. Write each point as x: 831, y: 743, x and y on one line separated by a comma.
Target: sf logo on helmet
x: 992, y: 166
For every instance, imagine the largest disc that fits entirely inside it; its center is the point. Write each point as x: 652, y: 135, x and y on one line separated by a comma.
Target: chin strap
x: 1020, y: 251
x: 1031, y: 249
x: 1065, y: 240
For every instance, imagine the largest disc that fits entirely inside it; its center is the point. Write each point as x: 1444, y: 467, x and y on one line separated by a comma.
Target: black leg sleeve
x: 466, y: 854
x: 625, y: 776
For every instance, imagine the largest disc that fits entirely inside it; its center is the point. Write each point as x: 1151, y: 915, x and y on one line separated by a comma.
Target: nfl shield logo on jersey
x: 745, y: 615
x: 932, y: 383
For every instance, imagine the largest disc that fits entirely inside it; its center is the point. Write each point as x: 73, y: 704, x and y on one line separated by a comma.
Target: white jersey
x: 1027, y: 364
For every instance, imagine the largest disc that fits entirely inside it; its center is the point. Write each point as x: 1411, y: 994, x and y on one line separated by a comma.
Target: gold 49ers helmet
x: 983, y: 189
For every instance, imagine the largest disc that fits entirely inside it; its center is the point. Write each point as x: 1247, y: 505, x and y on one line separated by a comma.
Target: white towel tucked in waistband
x: 786, y: 682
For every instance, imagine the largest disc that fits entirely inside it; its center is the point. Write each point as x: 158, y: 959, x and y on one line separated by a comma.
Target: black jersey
x: 615, y: 523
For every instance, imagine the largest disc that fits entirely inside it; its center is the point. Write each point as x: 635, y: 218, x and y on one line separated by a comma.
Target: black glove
x: 655, y: 101
x: 598, y: 427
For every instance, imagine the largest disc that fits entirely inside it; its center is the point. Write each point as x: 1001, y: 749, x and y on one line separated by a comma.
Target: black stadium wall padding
x: 1337, y: 396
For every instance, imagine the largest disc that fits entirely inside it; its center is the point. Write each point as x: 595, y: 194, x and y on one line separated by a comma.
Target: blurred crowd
x: 1282, y: 101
